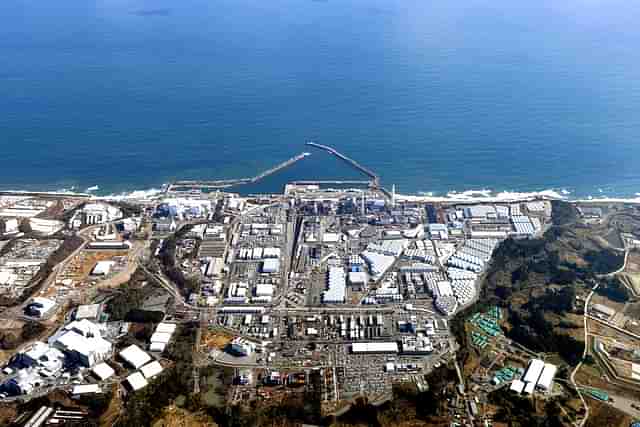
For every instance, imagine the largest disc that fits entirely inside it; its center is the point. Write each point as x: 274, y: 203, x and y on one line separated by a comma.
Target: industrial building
x: 99, y: 213
x: 378, y: 263
x: 517, y: 386
x: 136, y: 381
x: 357, y: 280
x: 103, y: 371
x: 336, y: 286
x: 161, y: 337
x: 82, y: 342
x: 135, y: 356
x: 419, y: 344
x: 40, y: 307
x: 438, y: 231
x: 151, y: 370
x: 533, y: 371
x: 8, y: 226
x: 546, y: 377
x: 374, y: 347
x: 89, y: 312
x: 241, y: 347
x: 271, y: 265
x: 480, y: 212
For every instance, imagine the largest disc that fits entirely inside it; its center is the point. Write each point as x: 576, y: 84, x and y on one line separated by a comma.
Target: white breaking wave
x: 92, y: 189
x: 486, y: 196
x: 133, y: 195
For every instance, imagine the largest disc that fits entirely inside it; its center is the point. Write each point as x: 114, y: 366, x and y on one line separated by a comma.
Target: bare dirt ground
x: 173, y: 416
x: 602, y: 414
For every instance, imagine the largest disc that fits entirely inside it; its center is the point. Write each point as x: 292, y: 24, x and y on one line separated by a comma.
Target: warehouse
x: 336, y: 286
x: 357, y: 279
x: 271, y: 265
x: 135, y: 356
x: 85, y: 389
x: 546, y: 377
x: 40, y: 307
x: 214, y: 268
x: 533, y: 371
x: 152, y: 369
x: 480, y: 212
x: 517, y: 386
x: 136, y: 381
x: 374, y: 347
x: 89, y: 312
x: 103, y: 371
x: 264, y: 290
x: 82, y: 342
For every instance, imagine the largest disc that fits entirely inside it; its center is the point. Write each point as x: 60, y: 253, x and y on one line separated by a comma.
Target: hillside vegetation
x: 536, y: 281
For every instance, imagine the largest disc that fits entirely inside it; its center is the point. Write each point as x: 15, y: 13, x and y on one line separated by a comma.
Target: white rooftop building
x: 136, y: 381
x: 40, y: 307
x: 89, y: 312
x: 533, y: 371
x: 517, y: 386
x: 374, y: 347
x: 336, y: 286
x: 271, y: 265
x: 135, y: 356
x: 152, y: 369
x: 99, y: 213
x: 357, y: 278
x: 85, y: 389
x: 103, y: 371
x: 546, y: 377
x: 264, y: 289
x: 82, y: 341
x: 378, y: 263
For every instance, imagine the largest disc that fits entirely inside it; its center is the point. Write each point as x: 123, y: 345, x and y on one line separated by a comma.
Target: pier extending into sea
x: 226, y: 183
x: 200, y: 185
x: 375, y: 179
x: 333, y: 182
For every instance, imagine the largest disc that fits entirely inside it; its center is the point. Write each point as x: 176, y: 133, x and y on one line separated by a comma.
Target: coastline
x: 453, y: 197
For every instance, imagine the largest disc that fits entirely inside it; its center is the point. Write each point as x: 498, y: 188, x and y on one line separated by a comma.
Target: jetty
x: 335, y: 182
x: 226, y: 183
x: 375, y: 179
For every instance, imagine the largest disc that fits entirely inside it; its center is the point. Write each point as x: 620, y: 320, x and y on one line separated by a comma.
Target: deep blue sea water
x: 435, y: 95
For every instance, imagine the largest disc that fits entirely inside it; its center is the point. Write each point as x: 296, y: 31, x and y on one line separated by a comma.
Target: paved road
x: 584, y: 354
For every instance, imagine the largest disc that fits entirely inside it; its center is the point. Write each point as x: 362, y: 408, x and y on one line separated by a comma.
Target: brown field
x: 81, y: 265
x: 216, y: 339
x: 602, y: 414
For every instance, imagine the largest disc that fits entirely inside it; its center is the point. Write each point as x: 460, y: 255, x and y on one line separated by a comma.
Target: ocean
x: 433, y: 95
